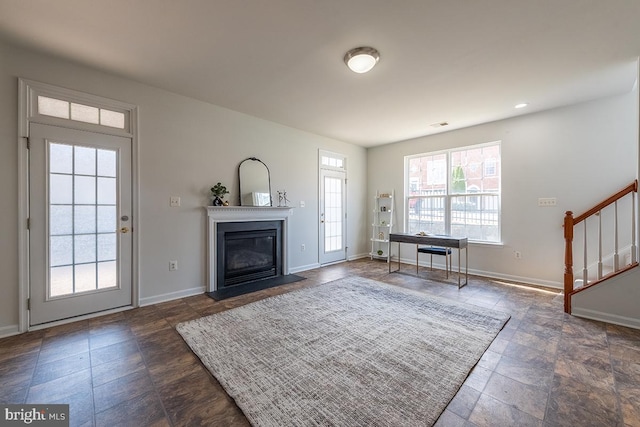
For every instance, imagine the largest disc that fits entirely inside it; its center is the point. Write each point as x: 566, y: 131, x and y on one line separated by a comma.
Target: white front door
x: 80, y: 237
x: 332, y: 216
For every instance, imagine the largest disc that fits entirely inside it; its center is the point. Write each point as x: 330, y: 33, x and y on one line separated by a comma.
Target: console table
x: 434, y: 240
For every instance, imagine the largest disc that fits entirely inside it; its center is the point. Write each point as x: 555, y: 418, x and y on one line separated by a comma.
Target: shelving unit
x: 383, y: 213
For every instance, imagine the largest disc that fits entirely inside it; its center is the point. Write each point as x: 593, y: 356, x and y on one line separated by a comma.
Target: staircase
x: 605, y: 236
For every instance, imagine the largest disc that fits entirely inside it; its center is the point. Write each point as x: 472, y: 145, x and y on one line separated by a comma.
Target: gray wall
x: 579, y: 154
x: 186, y: 146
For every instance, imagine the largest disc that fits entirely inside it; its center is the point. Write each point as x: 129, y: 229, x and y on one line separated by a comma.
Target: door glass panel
x: 61, y: 158
x: 106, y: 219
x: 333, y: 214
x: 60, y: 189
x: 106, y: 191
x: 84, y: 191
x: 107, y: 247
x: 107, y: 163
x: 84, y: 161
x: 61, y: 281
x: 61, y: 251
x: 84, y: 248
x: 60, y: 219
x: 82, y: 219
x: 85, y: 277
x: 107, y: 274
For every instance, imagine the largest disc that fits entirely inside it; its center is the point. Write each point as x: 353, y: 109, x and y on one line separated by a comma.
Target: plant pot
x: 217, y: 201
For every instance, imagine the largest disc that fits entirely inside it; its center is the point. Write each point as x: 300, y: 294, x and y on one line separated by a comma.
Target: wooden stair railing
x: 570, y: 222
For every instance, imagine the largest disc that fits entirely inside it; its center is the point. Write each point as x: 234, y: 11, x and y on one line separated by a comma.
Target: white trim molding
x: 605, y: 317
x: 28, y: 90
x: 156, y: 299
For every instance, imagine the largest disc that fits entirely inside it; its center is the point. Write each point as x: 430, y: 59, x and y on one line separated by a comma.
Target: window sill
x: 489, y: 244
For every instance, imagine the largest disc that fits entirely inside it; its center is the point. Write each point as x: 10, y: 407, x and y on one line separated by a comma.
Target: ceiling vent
x: 439, y: 124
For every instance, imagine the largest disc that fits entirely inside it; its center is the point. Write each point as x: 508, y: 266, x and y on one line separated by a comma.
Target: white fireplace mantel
x: 217, y: 214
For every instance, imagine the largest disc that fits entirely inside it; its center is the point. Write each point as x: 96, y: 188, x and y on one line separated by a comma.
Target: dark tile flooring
x: 544, y: 369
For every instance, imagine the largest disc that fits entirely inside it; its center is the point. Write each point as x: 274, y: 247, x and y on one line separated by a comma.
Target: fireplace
x: 248, y: 251
x: 228, y: 219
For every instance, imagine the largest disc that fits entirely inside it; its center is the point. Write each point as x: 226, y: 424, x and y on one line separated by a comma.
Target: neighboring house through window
x: 455, y: 192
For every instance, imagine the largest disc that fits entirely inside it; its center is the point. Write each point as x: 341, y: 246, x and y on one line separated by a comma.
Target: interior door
x: 80, y: 243
x: 332, y: 216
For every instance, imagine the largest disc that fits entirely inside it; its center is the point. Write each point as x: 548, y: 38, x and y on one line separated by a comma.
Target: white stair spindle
x: 616, y: 262
x: 599, y: 244
x: 585, y: 270
x: 634, y: 249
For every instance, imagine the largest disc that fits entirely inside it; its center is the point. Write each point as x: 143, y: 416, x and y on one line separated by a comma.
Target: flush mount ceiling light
x: 361, y: 59
x: 522, y: 105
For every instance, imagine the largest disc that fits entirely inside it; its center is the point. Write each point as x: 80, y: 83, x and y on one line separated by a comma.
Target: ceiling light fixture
x: 522, y: 105
x: 361, y: 59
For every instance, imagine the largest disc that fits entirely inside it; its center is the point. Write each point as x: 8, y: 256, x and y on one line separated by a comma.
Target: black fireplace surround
x: 247, y: 252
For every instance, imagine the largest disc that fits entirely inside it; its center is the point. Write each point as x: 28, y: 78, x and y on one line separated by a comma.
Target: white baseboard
x: 606, y: 317
x: 488, y: 274
x: 304, y: 268
x: 520, y: 279
x: 358, y: 256
x: 172, y: 296
x: 7, y: 331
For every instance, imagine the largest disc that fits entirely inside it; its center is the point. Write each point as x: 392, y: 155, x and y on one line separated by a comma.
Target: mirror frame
x: 254, y: 159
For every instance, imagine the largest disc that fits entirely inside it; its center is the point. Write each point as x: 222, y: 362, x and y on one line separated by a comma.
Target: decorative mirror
x: 255, y: 183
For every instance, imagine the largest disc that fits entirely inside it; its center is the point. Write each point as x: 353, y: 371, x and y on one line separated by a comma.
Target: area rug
x: 353, y: 352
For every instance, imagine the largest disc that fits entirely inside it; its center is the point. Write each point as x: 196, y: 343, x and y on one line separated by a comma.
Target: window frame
x: 29, y: 109
x: 449, y: 195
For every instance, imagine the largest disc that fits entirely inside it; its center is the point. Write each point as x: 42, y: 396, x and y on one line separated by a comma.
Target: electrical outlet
x: 545, y: 202
x: 302, y: 203
x: 303, y: 248
x: 173, y: 265
x: 517, y: 254
x: 174, y: 201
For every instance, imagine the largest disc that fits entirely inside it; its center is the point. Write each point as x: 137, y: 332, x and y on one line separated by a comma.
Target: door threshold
x: 78, y: 318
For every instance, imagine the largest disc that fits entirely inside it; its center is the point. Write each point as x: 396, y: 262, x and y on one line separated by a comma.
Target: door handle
x: 124, y: 230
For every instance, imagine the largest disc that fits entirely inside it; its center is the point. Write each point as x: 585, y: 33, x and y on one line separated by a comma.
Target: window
x: 79, y: 112
x: 455, y: 192
x: 331, y: 161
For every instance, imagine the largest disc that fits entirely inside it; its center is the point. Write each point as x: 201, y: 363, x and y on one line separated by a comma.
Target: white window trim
x: 330, y: 154
x: 28, y: 107
x: 28, y: 92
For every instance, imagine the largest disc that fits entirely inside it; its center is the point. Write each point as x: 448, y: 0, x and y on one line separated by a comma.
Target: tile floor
x: 544, y: 369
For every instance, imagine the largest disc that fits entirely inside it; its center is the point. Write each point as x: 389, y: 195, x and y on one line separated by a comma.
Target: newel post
x: 568, y: 260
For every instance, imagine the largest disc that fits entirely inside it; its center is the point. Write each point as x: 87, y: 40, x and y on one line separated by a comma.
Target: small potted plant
x: 218, y: 191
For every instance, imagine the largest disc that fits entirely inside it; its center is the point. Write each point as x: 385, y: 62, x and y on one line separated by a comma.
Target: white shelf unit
x: 383, y: 213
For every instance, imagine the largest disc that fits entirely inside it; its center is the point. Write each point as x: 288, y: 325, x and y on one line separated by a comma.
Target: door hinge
x: 28, y: 142
x: 28, y: 303
x: 28, y: 223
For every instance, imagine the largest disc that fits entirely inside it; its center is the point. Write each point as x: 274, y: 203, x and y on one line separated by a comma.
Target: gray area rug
x: 353, y: 352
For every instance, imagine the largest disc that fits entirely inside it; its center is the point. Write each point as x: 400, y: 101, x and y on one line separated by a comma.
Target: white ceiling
x: 461, y: 61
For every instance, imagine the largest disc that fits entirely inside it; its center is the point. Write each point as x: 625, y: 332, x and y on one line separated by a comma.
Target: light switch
x: 174, y: 201
x: 546, y: 202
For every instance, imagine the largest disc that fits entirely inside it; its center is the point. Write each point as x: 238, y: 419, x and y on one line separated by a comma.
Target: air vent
x: 439, y: 124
